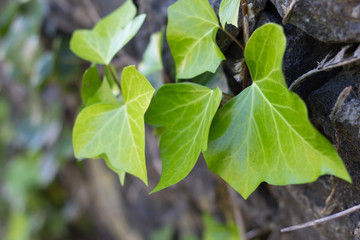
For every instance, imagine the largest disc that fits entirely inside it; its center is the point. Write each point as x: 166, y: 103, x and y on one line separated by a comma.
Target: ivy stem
x: 232, y: 37
x: 114, y: 76
x: 246, y: 35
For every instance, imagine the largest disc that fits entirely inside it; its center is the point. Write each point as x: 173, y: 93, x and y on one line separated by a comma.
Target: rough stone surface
x: 326, y: 20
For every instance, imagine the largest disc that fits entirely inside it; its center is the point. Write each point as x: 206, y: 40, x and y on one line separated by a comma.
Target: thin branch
x: 322, y: 220
x: 114, y: 77
x: 324, y: 65
x: 233, y: 38
x: 237, y: 214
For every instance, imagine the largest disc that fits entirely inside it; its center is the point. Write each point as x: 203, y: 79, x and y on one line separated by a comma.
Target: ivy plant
x: 262, y: 134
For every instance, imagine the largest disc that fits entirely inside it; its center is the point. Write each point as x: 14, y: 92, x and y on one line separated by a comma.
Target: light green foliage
x: 115, y: 131
x: 20, y: 44
x: 214, y: 230
x: 264, y: 133
x: 18, y: 227
x: 164, y: 233
x: 185, y: 110
x: 91, y: 82
x: 191, y: 33
x: 151, y: 65
x: 109, y: 35
x: 229, y: 12
x: 152, y: 61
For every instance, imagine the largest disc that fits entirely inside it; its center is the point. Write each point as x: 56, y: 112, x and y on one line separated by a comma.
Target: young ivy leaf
x: 103, y: 93
x: 109, y: 35
x: 152, y: 58
x: 151, y: 65
x: 115, y: 131
x: 229, y: 12
x: 191, y: 33
x: 264, y: 133
x: 91, y: 82
x: 184, y: 111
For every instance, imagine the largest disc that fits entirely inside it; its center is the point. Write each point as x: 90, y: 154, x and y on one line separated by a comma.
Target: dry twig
x: 324, y: 65
x: 322, y: 220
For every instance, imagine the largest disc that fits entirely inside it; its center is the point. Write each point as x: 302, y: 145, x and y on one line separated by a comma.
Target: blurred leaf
x: 189, y: 237
x: 217, y: 231
x: 7, y: 14
x: 164, y: 233
x: 66, y: 65
x: 22, y: 175
x: 151, y: 65
x: 152, y: 58
x: 18, y: 227
x: 109, y: 35
x: 43, y: 68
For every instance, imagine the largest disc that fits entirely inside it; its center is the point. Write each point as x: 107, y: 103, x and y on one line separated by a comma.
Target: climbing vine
x: 261, y: 134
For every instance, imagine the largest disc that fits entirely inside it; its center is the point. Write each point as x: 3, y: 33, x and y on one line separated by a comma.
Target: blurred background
x: 44, y: 192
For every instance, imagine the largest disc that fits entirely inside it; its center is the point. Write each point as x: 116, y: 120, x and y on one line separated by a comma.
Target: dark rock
x: 326, y: 20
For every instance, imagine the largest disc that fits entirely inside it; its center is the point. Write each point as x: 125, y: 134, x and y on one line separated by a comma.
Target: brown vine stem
x: 113, y: 75
x: 246, y: 31
x: 232, y: 38
x: 322, y: 220
x: 246, y: 36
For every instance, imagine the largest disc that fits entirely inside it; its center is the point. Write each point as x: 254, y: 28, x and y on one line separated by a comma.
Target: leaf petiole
x: 116, y: 80
x: 232, y: 37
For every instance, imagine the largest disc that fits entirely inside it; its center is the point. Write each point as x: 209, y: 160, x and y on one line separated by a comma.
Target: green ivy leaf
x: 229, y: 12
x: 185, y: 112
x: 264, y: 133
x: 152, y: 58
x: 191, y: 33
x: 116, y: 131
x: 109, y: 35
x: 91, y: 82
x: 151, y: 65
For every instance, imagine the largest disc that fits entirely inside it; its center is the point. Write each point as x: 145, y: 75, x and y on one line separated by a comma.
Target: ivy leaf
x: 264, y: 133
x: 184, y: 111
x: 191, y: 33
x: 151, y: 65
x: 116, y: 131
x: 152, y: 58
x: 90, y: 84
x: 229, y: 12
x: 109, y: 35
